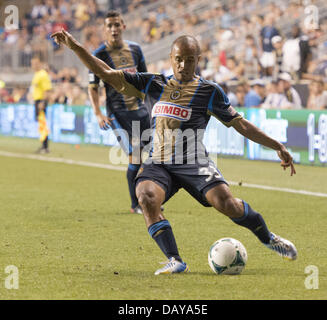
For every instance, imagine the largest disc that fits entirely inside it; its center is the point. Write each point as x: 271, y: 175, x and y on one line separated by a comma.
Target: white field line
x: 121, y: 168
x: 263, y: 187
x: 61, y: 160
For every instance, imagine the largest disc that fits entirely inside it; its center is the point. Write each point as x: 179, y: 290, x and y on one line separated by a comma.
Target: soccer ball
x: 227, y: 256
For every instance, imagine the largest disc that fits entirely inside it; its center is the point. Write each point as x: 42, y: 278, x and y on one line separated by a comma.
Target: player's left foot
x: 173, y: 266
x: 283, y: 247
x: 42, y: 150
x: 137, y: 210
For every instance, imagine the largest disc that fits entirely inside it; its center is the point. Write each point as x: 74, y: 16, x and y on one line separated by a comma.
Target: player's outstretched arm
x: 97, y: 66
x: 250, y: 131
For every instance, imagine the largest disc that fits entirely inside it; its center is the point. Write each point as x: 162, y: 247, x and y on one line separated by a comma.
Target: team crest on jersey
x: 169, y: 110
x: 175, y: 95
x: 123, y: 60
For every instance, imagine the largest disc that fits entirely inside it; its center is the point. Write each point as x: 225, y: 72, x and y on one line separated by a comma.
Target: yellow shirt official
x: 40, y: 84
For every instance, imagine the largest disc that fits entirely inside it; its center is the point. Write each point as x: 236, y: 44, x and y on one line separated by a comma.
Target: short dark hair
x: 187, y: 40
x: 113, y: 14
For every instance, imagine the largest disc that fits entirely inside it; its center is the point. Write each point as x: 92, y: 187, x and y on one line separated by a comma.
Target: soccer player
x: 186, y: 101
x: 41, y: 87
x: 121, y: 110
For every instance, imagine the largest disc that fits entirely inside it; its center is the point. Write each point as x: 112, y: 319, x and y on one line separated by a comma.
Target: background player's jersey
x: 127, y: 58
x: 187, y: 107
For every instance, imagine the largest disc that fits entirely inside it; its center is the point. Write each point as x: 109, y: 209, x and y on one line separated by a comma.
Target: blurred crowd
x: 248, y: 51
x: 67, y: 89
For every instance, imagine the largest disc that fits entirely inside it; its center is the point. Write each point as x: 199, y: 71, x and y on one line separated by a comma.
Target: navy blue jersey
x: 127, y: 58
x: 185, y: 107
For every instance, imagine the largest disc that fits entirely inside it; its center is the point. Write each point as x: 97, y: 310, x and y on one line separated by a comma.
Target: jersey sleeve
x: 220, y: 107
x: 141, y: 84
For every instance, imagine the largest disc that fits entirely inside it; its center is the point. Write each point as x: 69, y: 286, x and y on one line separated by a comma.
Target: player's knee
x: 146, y: 198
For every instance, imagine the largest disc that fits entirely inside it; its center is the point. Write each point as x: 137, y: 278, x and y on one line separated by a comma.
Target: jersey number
x: 210, y: 171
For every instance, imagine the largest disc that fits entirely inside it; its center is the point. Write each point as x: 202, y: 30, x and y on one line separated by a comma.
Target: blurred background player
x: 122, y: 111
x: 41, y: 87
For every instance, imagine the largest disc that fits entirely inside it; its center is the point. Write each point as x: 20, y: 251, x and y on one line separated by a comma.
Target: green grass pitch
x: 68, y: 230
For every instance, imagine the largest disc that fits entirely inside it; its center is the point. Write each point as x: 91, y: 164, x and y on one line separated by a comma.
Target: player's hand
x: 64, y: 37
x: 104, y: 122
x: 287, y: 160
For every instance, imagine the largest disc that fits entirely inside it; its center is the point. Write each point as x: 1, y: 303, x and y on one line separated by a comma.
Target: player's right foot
x: 283, y: 247
x: 173, y: 266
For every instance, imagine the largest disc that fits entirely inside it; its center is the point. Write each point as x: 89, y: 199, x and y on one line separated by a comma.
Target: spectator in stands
x: 255, y: 96
x: 285, y: 88
x: 19, y: 95
x: 234, y: 70
x: 69, y: 75
x: 277, y: 42
x: 59, y: 22
x: 65, y: 9
x: 240, y: 93
x: 118, y: 4
x: 78, y: 96
x: 318, y: 96
x: 230, y: 94
x: 60, y: 94
x: 39, y: 10
x: 81, y: 15
x: 165, y: 29
x: 161, y: 14
x: 5, y: 95
x: 274, y: 99
x: 267, y: 58
x: 250, y: 56
x: 296, y: 53
x: 225, y: 17
x: 216, y: 71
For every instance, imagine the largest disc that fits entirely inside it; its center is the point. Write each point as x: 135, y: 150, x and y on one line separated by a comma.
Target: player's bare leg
x: 133, y: 168
x: 221, y: 198
x: 242, y: 214
x: 150, y: 196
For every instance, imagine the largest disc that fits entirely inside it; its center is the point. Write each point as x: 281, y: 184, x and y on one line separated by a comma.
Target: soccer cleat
x: 137, y: 210
x: 42, y: 150
x: 173, y: 266
x: 283, y: 247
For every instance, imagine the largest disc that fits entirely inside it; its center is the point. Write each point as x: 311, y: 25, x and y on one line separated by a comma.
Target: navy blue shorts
x: 196, y: 179
x: 124, y: 120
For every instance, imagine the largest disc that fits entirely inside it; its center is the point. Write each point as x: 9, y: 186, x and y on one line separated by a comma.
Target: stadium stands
x: 229, y: 32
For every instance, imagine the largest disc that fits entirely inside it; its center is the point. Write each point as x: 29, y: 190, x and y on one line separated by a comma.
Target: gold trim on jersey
x: 93, y: 85
x: 227, y: 124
